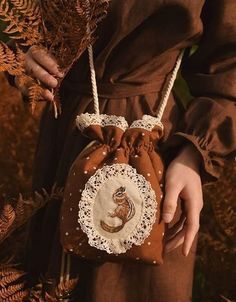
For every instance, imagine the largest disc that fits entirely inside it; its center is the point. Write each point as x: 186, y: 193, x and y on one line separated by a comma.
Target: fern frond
x: 11, y: 278
x: 18, y: 297
x: 10, y: 61
x: 221, y: 195
x: 26, y: 7
x: 26, y: 208
x: 7, y: 292
x: 66, y: 288
x: 7, y: 271
x: 7, y: 218
x: 12, y: 285
x: 60, y: 26
x: 36, y: 293
x: 23, y: 21
x: 50, y: 298
x: 35, y: 95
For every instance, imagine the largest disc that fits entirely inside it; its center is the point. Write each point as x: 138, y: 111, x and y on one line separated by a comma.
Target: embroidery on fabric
x: 125, y: 210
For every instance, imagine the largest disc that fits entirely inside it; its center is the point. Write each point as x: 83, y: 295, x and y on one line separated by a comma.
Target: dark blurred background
x: 215, y: 272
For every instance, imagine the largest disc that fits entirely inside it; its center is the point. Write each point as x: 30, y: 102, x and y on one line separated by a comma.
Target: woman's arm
x: 209, y: 125
x: 183, y: 182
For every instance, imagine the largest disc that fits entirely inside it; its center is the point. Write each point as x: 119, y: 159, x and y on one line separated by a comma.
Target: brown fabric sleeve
x: 210, y: 120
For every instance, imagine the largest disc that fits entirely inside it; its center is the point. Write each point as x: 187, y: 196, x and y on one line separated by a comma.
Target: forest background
x: 215, y: 271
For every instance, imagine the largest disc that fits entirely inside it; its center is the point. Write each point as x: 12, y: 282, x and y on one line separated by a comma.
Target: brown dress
x: 138, y: 44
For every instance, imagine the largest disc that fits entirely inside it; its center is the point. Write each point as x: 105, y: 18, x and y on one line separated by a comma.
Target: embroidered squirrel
x: 124, y: 211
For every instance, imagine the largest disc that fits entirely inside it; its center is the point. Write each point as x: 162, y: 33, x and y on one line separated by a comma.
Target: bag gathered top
x: 112, y: 199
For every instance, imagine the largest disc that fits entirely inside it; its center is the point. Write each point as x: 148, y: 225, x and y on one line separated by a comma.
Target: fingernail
x: 186, y: 253
x: 167, y: 217
x: 60, y: 74
x: 53, y: 83
x: 49, y: 96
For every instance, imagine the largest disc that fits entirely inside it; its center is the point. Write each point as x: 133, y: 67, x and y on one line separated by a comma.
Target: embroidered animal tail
x: 111, y: 229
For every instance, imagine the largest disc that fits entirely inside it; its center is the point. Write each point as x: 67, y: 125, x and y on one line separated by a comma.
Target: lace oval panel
x: 117, y: 208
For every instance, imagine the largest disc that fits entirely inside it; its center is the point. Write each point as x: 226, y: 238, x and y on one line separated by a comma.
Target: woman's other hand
x: 43, y: 67
x: 183, y: 181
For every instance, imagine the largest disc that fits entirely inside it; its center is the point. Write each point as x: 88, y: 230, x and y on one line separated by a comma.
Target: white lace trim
x: 148, y: 122
x: 84, y: 120
x: 148, y: 214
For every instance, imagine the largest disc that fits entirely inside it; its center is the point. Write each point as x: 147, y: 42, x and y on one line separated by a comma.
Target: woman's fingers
x: 172, y: 191
x: 47, y: 95
x: 174, y: 229
x: 176, y: 241
x: 183, y: 181
x: 40, y: 74
x: 191, y: 225
x: 46, y: 61
x: 186, y: 234
x: 41, y: 66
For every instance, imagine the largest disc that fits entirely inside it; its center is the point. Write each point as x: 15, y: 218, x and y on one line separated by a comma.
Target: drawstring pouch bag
x: 112, y: 198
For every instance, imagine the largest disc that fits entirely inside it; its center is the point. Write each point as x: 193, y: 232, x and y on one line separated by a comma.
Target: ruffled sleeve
x: 210, y: 119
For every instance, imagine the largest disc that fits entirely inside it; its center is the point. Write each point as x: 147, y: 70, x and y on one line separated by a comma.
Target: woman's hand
x: 183, y: 181
x: 43, y: 67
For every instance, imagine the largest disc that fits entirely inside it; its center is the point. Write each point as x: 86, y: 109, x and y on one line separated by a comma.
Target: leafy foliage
x: 12, y: 285
x: 64, y: 28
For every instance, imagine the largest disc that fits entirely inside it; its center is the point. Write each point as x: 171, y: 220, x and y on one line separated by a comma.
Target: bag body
x: 111, y: 210
x: 113, y: 195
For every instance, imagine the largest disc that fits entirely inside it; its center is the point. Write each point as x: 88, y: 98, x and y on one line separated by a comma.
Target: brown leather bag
x: 112, y: 199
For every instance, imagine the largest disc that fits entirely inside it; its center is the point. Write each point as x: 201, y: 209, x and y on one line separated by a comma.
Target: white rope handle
x: 93, y: 80
x: 165, y: 96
